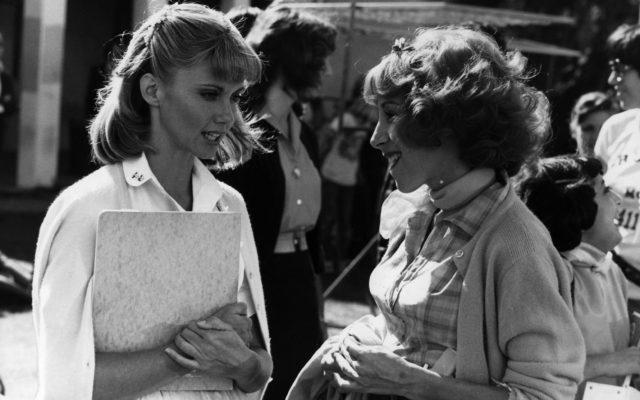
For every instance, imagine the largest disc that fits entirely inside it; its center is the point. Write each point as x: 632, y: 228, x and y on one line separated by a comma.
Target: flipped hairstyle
x: 559, y: 191
x: 294, y: 43
x: 624, y: 44
x: 456, y: 80
x: 177, y: 36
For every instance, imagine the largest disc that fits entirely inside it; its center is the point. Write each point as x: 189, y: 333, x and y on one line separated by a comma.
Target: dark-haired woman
x: 282, y: 187
x: 569, y: 196
x: 475, y: 301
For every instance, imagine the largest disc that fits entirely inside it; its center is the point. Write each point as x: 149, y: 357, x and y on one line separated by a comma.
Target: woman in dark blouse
x: 282, y: 186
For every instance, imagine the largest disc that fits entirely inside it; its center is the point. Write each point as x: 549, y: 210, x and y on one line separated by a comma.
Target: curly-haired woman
x: 570, y: 197
x: 475, y: 301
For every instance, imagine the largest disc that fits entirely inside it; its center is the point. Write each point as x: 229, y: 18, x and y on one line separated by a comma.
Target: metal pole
x: 349, y: 267
x: 346, y: 67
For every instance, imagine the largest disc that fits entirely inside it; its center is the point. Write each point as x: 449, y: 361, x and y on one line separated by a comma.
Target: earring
x: 441, y: 182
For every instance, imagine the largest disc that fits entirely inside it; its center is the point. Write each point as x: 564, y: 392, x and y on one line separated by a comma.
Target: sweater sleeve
x: 544, y: 349
x: 62, y: 299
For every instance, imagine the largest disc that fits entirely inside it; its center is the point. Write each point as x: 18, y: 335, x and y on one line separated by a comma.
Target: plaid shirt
x: 419, y: 298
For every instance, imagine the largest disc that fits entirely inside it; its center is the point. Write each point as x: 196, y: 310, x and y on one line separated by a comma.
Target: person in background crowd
x: 171, y: 99
x: 568, y: 194
x: 282, y: 187
x: 587, y: 117
x: 475, y: 301
x: 340, y: 170
x: 8, y: 98
x: 618, y: 145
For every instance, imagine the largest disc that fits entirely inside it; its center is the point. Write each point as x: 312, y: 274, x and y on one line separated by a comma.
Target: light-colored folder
x: 157, y: 271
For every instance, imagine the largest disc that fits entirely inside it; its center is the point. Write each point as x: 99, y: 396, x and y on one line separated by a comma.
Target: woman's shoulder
x: 620, y: 121
x: 518, y: 237
x: 517, y: 224
x: 232, y: 196
x: 98, y: 190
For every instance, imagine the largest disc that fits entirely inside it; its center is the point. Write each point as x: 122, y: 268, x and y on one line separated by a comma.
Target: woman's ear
x: 149, y: 89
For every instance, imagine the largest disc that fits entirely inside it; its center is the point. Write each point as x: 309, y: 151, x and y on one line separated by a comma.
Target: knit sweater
x: 515, y: 323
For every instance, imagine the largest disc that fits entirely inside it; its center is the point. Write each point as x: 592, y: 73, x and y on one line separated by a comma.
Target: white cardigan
x: 63, y: 276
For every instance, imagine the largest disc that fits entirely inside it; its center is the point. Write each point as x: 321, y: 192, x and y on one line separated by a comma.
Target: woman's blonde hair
x: 178, y: 35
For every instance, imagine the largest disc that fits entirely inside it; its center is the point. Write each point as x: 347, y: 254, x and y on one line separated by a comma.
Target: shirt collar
x: 469, y: 217
x: 588, y: 256
x: 206, y: 189
x: 136, y: 170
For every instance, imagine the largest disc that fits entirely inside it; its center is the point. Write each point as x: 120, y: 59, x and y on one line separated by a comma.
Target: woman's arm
x: 617, y: 364
x: 130, y: 375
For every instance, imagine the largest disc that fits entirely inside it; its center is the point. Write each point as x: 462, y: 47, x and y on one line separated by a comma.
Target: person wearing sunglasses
x: 618, y: 145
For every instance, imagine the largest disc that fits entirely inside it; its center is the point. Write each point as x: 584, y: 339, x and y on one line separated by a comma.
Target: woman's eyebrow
x: 211, y: 86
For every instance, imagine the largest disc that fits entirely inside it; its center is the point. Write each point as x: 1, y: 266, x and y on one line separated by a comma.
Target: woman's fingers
x: 186, y: 347
x: 351, y: 349
x: 346, y: 385
x: 345, y: 366
x: 182, y: 360
x: 214, y: 323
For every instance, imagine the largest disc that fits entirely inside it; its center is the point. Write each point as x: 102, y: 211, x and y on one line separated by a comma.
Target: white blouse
x: 63, y: 275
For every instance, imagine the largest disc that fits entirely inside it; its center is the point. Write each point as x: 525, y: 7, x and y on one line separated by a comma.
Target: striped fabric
x: 420, y: 300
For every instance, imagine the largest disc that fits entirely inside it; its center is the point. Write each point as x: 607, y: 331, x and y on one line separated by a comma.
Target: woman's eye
x: 606, y: 190
x: 210, y: 95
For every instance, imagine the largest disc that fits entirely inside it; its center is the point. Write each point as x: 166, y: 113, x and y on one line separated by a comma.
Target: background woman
x: 475, y: 301
x: 282, y: 188
x: 569, y: 196
x: 171, y: 99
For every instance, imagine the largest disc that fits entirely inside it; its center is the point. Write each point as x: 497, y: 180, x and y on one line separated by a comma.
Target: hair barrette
x: 401, y: 45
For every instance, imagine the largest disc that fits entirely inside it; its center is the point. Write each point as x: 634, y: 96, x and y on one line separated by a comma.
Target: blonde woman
x: 171, y: 99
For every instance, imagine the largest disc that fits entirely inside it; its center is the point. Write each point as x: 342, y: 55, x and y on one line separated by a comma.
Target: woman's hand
x: 370, y: 369
x: 235, y: 314
x: 214, y: 347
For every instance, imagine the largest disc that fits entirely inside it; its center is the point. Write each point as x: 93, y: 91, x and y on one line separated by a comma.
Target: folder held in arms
x: 156, y: 272
x: 600, y: 391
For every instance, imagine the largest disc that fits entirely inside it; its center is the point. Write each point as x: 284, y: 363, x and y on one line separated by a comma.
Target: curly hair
x: 559, y: 191
x: 291, y: 42
x: 624, y: 44
x: 243, y: 18
x: 457, y: 80
x: 178, y: 35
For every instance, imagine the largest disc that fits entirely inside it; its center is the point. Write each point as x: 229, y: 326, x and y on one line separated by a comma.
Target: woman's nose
x: 379, y: 136
x: 226, y: 114
x: 328, y: 71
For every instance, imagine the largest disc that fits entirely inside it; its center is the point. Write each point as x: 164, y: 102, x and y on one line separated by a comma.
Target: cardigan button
x: 459, y: 253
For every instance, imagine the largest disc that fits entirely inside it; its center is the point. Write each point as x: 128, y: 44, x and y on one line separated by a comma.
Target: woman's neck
x: 173, y: 168
x: 277, y: 107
